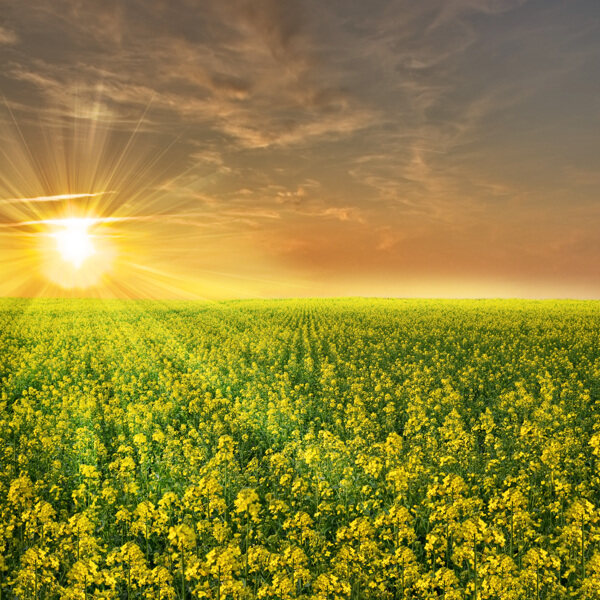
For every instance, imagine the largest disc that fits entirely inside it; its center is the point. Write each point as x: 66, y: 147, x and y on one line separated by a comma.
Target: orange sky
x: 301, y: 148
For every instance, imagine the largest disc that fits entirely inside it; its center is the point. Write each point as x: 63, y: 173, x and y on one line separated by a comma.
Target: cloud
x: 340, y: 213
x: 450, y: 10
x: 53, y: 198
x: 244, y: 69
x: 8, y: 37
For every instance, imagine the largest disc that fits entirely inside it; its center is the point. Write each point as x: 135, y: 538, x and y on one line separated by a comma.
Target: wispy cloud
x: 53, y: 198
x: 7, y: 36
x: 249, y: 70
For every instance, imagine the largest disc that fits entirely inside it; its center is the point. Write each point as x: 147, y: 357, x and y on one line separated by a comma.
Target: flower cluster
x: 326, y: 450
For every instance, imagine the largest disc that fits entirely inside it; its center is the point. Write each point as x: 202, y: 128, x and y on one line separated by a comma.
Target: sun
x: 74, y: 241
x: 77, y: 252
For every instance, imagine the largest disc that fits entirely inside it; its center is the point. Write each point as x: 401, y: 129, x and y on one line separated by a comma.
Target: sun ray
x: 87, y: 210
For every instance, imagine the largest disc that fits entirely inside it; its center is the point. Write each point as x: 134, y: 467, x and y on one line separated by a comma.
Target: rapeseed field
x: 318, y: 449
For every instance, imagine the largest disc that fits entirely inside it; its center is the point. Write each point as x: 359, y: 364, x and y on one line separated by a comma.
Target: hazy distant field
x: 321, y: 449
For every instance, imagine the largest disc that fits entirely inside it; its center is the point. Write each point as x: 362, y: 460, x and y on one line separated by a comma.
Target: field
x: 319, y: 449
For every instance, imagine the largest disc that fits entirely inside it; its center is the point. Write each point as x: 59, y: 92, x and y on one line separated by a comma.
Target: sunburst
x: 67, y: 202
x: 74, y: 241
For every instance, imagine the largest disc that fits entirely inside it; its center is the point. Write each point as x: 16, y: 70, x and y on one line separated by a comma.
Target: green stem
x: 475, y: 565
x: 182, y: 572
x: 582, y: 547
x: 512, y: 528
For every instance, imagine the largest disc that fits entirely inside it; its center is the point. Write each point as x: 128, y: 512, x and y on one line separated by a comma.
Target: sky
x: 277, y: 148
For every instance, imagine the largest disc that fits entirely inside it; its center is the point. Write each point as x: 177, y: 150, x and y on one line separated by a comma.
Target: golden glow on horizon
x: 93, y: 215
x: 73, y: 240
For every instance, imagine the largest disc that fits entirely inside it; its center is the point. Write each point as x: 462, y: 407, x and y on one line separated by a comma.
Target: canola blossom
x: 317, y: 449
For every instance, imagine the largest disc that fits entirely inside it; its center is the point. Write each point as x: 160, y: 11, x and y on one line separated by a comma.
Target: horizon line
x: 307, y: 298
